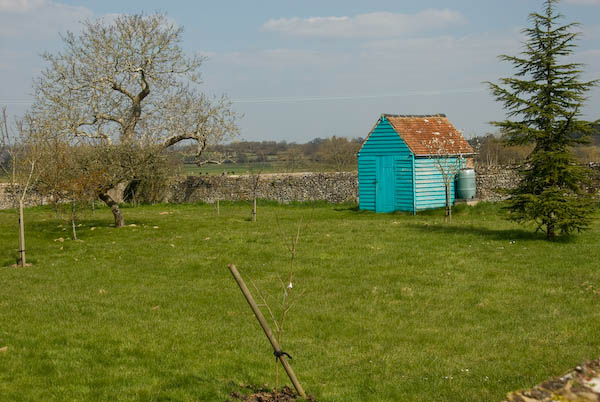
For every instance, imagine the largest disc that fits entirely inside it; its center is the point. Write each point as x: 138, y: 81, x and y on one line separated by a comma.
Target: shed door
x: 386, y: 182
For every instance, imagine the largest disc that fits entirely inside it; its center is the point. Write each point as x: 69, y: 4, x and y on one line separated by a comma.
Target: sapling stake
x: 22, y: 261
x: 265, y: 326
x: 73, y: 220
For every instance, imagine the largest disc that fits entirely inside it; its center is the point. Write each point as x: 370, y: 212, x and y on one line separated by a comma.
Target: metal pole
x: 265, y: 326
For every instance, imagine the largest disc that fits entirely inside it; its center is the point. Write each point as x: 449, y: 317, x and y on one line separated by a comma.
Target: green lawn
x: 395, y: 307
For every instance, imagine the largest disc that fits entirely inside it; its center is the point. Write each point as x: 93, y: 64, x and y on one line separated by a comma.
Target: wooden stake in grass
x: 22, y: 261
x: 265, y: 326
x: 73, y: 220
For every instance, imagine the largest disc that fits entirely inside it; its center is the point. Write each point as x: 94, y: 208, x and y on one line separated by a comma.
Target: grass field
x: 394, y: 307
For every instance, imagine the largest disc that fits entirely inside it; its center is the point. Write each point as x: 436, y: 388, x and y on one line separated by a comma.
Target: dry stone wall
x: 580, y: 385
x: 491, y: 180
x: 286, y: 187
x: 7, y: 201
x: 34, y: 199
x: 332, y: 187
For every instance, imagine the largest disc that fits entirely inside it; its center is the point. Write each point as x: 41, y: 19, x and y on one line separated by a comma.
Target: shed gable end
x: 384, y: 141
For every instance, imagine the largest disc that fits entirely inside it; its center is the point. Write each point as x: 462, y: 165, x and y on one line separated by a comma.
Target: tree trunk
x: 254, y: 210
x: 550, y: 234
x: 22, y: 261
x: 114, y: 208
x: 448, y: 206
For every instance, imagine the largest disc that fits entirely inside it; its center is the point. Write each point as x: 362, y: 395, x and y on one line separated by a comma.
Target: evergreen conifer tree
x: 543, y: 103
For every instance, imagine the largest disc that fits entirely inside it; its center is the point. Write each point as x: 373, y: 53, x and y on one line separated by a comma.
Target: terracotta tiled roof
x: 426, y: 134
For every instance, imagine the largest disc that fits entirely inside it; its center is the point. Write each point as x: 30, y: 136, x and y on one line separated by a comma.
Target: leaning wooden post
x: 265, y: 326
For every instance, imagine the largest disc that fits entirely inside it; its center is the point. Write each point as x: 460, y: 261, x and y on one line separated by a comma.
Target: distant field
x: 266, y: 167
x: 394, y: 307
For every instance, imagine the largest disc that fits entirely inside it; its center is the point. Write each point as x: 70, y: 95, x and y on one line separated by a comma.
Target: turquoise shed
x: 397, y: 163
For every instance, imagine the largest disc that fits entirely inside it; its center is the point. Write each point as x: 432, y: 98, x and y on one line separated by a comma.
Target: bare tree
x: 68, y: 175
x: 21, y: 168
x: 339, y: 152
x: 127, y: 83
x: 293, y: 158
x: 442, y: 151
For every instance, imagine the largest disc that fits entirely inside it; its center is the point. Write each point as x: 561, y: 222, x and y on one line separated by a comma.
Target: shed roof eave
x: 370, y: 132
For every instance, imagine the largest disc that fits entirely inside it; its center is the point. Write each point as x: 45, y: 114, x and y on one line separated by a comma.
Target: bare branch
x: 267, y: 306
x: 126, y: 86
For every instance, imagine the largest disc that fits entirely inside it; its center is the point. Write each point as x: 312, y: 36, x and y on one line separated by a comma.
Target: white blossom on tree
x: 442, y: 151
x: 128, y: 83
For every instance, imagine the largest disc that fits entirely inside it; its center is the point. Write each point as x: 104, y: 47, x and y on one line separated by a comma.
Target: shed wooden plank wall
x: 366, y: 182
x: 384, y: 141
x: 404, y: 183
x: 429, y: 185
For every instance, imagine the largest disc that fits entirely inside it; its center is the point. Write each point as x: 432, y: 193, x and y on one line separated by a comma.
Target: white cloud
x: 39, y: 20
x: 370, y: 25
x: 585, y: 2
x: 20, y: 6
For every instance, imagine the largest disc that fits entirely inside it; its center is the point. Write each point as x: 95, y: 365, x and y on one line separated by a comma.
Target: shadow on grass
x: 495, y: 234
x: 348, y: 207
x: 351, y: 207
x: 53, y: 224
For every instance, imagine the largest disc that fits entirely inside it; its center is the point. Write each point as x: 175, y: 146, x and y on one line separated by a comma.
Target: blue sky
x: 304, y: 69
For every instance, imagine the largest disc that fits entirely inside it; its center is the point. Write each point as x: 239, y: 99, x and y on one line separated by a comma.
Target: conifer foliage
x: 543, y: 102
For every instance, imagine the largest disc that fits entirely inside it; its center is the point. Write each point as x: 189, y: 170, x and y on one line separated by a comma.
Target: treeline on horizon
x: 340, y: 152
x: 336, y: 154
